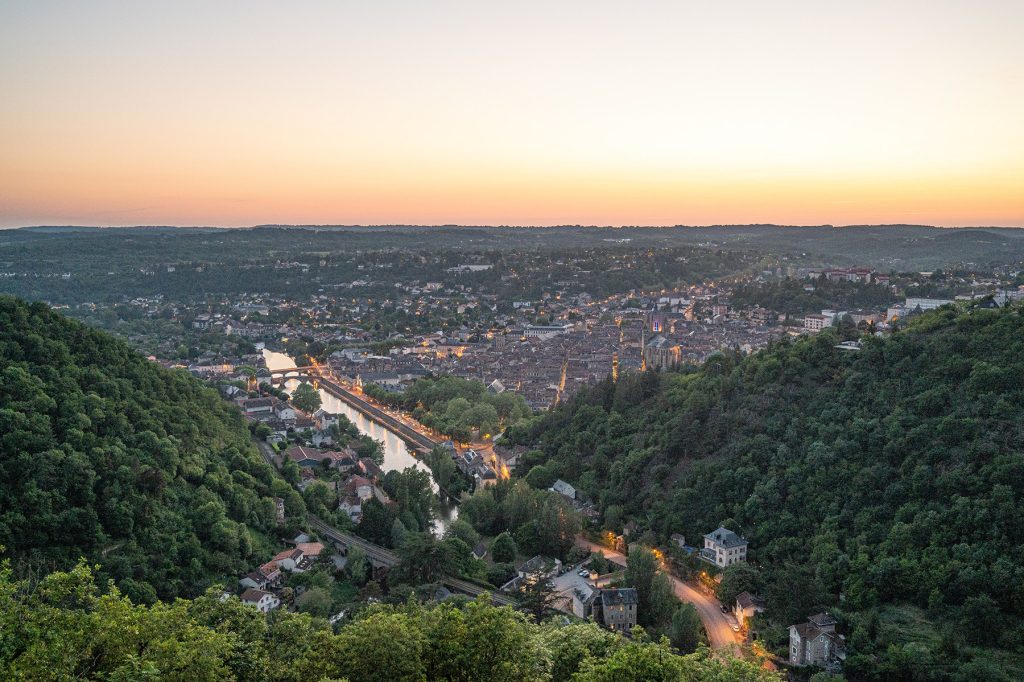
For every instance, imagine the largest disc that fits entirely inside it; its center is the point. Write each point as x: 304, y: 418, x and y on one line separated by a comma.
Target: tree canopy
x: 887, y: 477
x: 106, y: 455
x: 70, y: 629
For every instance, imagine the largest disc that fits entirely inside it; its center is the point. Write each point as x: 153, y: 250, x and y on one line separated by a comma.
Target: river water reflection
x: 396, y: 455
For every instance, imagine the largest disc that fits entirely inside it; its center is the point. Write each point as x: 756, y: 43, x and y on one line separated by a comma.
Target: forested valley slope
x: 108, y: 456
x: 883, y: 483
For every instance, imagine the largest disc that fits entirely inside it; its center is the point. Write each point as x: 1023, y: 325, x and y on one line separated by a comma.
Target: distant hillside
x: 106, y: 455
x: 884, y: 483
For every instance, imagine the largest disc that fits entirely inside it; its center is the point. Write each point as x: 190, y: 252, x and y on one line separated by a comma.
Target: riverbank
x: 397, y: 455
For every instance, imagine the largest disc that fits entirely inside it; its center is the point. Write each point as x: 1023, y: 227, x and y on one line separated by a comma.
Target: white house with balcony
x: 724, y: 548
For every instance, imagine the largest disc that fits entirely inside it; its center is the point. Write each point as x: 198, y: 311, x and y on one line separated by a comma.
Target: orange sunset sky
x: 527, y: 113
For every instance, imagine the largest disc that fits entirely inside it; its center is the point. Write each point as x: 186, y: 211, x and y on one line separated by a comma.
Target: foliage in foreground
x: 65, y: 628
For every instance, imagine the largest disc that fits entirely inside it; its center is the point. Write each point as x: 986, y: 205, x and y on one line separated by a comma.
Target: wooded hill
x: 883, y: 483
x: 106, y: 455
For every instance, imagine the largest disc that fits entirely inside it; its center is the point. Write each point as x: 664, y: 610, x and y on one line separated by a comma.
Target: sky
x: 523, y: 113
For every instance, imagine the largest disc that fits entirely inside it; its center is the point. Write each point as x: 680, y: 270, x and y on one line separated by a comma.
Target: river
x: 396, y: 455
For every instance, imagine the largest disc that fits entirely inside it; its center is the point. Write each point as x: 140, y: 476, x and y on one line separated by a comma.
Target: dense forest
x: 108, y: 456
x: 65, y: 628
x: 884, y: 483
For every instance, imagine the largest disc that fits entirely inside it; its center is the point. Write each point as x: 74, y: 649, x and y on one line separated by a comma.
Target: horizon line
x: 507, y: 226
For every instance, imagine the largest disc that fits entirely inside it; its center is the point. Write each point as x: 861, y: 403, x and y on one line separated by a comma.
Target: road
x: 716, y: 624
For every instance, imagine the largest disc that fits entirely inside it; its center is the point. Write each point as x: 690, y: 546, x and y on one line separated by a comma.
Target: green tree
x: 738, y: 578
x: 315, y: 601
x: 401, y: 659
x: 641, y: 570
x: 503, y: 548
x: 306, y: 398
x: 464, y: 531
x: 686, y: 629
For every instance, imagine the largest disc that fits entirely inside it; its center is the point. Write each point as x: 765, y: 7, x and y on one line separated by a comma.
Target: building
x: 534, y: 331
x: 264, y: 601
x: 660, y: 353
x: 912, y: 304
x: 724, y: 548
x: 747, y: 606
x: 266, y: 576
x: 540, y: 568
x: 563, y: 488
x: 815, y: 323
x: 616, y: 609
x: 816, y: 642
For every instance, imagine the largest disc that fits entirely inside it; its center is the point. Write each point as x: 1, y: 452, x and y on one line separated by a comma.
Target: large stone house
x: 816, y: 642
x: 616, y: 609
x: 724, y: 548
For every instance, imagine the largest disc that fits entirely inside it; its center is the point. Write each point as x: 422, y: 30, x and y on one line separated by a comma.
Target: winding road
x: 716, y: 624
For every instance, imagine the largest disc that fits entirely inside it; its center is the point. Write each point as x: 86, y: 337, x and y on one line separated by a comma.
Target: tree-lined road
x: 717, y: 624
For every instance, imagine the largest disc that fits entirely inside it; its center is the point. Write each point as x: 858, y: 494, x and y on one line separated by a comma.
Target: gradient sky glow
x: 535, y: 113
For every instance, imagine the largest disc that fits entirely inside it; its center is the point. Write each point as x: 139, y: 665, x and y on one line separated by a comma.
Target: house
x: 311, y: 553
x: 370, y: 469
x: 264, y: 601
x: 304, y: 457
x: 284, y: 411
x: 540, y: 568
x: 288, y: 559
x: 324, y: 419
x: 358, y: 486
x: 344, y: 460
x: 266, y: 576
x: 616, y: 609
x: 258, y: 408
x: 583, y: 598
x: 353, y: 506
x: 816, y: 642
x: 747, y: 605
x: 508, y: 457
x: 679, y: 539
x: 815, y: 323
x: 724, y: 548
x: 564, y: 488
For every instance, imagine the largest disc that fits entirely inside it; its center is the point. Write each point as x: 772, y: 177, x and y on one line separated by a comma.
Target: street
x: 717, y: 624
